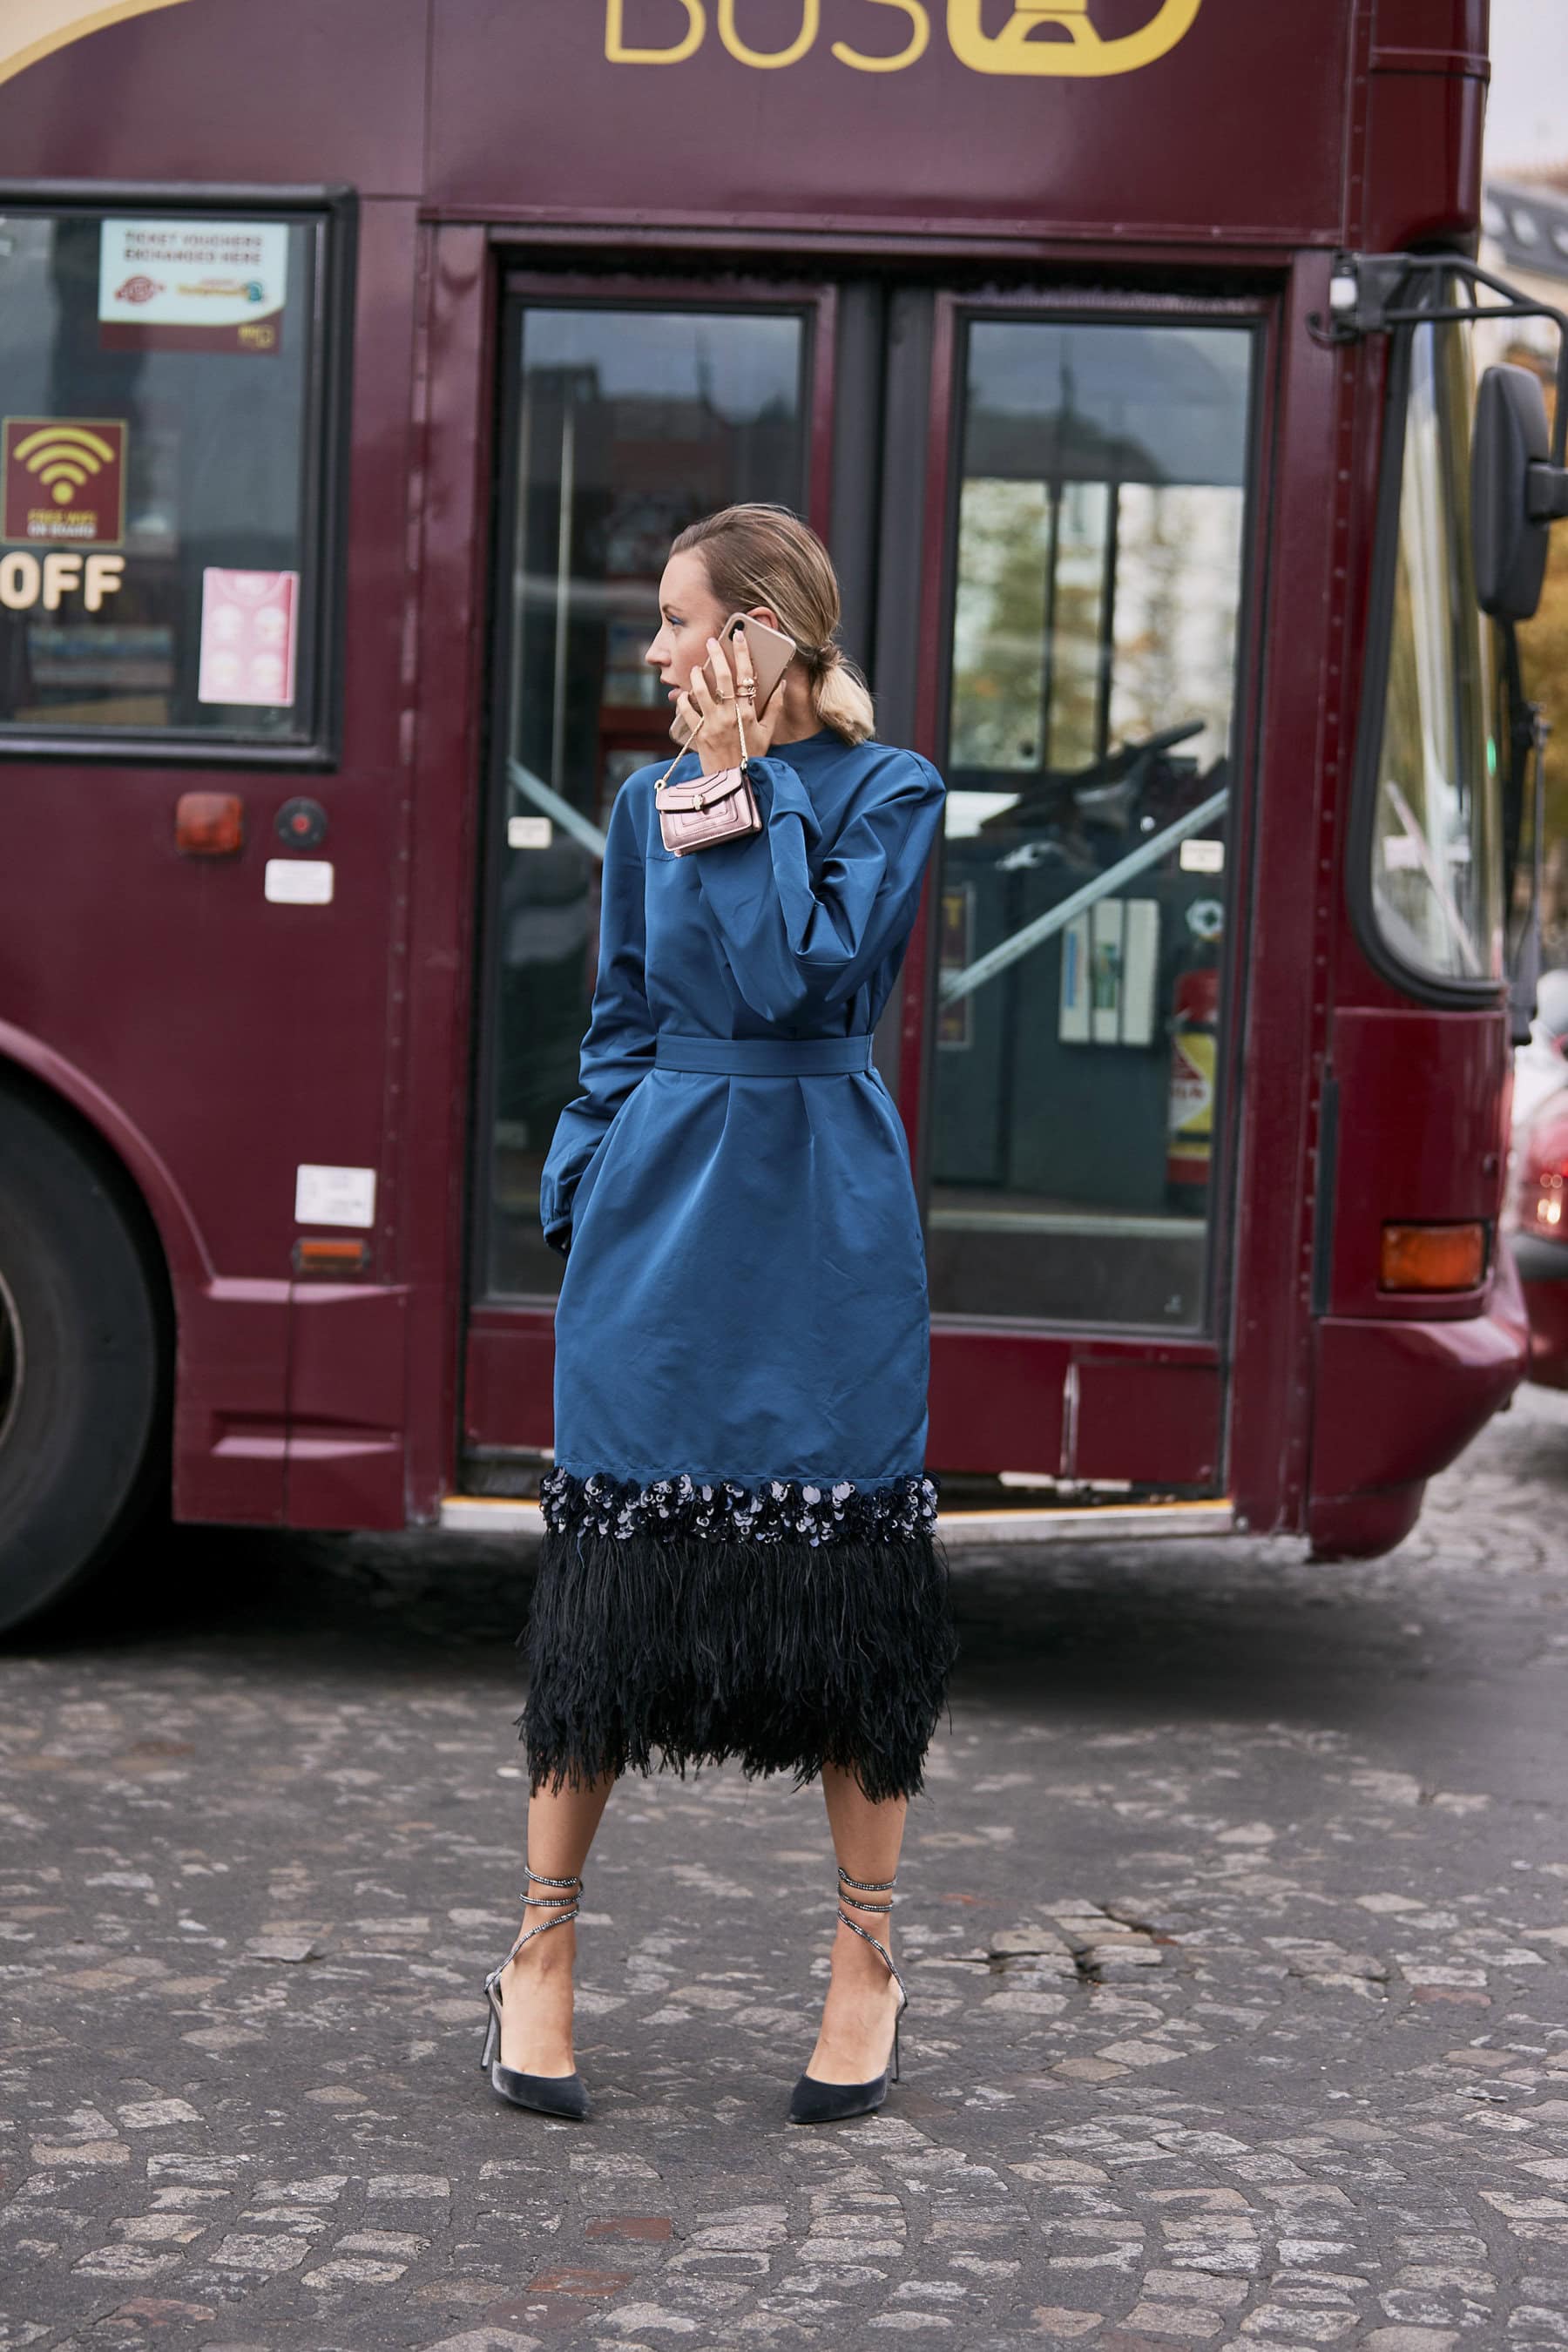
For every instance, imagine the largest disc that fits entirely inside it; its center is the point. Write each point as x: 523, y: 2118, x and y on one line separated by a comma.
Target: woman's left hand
x: 717, y: 741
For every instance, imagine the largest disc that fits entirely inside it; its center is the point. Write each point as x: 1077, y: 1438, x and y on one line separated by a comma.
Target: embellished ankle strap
x: 869, y: 1886
x: 564, y: 1905
x: 550, y: 1902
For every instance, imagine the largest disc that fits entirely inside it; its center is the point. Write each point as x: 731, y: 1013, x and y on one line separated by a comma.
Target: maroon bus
x: 357, y: 366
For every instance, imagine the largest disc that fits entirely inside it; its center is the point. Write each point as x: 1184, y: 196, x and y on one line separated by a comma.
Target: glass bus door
x: 1039, y: 516
x: 1085, y: 711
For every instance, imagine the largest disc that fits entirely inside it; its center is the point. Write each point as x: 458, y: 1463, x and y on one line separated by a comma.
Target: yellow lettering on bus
x: 615, y: 47
x: 810, y: 23
x: 1076, y: 49
x: 919, y: 40
x: 103, y: 579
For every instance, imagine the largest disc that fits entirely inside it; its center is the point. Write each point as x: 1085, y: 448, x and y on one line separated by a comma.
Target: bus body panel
x: 216, y: 91
x: 714, y: 137
x: 241, y: 1037
x: 1420, y: 1142
x: 452, y: 500
x: 1243, y: 131
x: 1449, y: 1377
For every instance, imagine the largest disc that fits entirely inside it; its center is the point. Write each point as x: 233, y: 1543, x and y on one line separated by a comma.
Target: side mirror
x: 1515, y: 492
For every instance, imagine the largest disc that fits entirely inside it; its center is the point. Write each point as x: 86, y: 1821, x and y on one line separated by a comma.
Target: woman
x: 739, y: 1559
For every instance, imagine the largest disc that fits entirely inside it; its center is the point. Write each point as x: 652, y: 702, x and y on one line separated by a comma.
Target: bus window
x: 1084, y: 890
x: 161, y: 459
x: 1436, y: 856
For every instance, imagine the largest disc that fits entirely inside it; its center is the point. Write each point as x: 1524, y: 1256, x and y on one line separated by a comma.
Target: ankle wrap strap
x: 869, y: 1886
x: 564, y: 1905
x: 550, y: 1902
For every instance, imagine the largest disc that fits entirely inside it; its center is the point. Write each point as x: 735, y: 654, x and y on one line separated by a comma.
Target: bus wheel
x: 83, y: 1363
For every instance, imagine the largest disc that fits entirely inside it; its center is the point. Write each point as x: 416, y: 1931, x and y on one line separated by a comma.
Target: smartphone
x: 771, y: 653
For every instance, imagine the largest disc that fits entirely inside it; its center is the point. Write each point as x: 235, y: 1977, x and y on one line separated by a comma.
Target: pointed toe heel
x: 812, y: 2101
x: 816, y: 2102
x: 547, y: 2094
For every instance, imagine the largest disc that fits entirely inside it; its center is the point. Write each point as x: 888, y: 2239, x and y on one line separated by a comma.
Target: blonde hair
x: 764, y: 554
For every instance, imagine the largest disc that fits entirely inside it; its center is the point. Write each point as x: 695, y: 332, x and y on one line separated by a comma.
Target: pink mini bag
x: 708, y: 809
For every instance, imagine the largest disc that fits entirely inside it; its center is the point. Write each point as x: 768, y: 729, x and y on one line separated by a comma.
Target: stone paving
x: 1236, y: 1920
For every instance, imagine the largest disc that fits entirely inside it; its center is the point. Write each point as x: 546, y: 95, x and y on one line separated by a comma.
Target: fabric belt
x: 763, y: 1057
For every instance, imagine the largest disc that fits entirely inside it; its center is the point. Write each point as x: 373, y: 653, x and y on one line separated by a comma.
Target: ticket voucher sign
x: 192, y: 285
x: 248, y: 627
x: 64, y: 480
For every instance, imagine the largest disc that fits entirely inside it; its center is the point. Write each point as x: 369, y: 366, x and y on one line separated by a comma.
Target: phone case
x: 771, y: 653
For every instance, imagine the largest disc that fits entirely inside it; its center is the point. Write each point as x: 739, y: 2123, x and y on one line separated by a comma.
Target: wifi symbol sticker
x: 64, y: 480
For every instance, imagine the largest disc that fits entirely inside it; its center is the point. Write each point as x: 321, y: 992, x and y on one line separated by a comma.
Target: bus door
x: 1038, y: 513
x: 1091, y: 493
x: 626, y: 409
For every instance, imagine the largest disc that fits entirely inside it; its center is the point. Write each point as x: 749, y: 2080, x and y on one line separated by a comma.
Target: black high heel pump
x: 815, y: 2102
x: 550, y: 2095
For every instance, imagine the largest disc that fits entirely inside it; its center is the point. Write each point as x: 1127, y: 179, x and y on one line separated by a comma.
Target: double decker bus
x: 357, y: 366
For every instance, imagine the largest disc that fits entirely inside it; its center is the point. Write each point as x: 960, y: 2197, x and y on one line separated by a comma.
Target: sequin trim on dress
x: 778, y: 1510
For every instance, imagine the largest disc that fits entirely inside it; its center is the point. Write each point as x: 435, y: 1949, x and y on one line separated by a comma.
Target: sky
x: 1526, y: 110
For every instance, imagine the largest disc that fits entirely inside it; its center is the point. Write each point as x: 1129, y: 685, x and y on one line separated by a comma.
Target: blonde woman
x: 739, y: 1560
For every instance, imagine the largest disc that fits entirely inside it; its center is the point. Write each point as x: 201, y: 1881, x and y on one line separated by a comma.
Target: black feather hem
x: 669, y: 1647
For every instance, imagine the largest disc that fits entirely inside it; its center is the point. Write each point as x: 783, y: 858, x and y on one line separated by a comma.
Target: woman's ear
x: 765, y: 613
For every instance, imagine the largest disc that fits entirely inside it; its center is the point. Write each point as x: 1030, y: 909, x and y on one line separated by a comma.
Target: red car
x: 1536, y: 1215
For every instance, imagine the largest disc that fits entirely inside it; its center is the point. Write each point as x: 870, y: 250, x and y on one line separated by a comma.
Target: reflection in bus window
x: 1084, y: 895
x: 159, y: 478
x: 629, y: 423
x: 1436, y: 872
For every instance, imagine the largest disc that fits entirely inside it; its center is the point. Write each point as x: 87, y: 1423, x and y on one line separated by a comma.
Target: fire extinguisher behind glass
x: 1194, y: 1063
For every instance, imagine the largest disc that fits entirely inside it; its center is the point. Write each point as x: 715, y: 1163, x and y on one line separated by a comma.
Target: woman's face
x: 689, y: 613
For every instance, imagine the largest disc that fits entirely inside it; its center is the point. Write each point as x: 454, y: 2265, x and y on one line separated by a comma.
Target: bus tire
x: 84, y: 1358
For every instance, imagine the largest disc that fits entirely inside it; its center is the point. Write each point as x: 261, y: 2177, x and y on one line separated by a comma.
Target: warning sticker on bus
x: 192, y: 285
x: 247, y: 636
x: 64, y: 480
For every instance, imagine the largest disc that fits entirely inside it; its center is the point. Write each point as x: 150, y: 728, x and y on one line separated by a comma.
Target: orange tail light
x: 1433, y: 1257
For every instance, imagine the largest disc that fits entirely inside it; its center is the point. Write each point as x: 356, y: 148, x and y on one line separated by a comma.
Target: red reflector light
x: 330, y: 1257
x: 210, y: 824
x: 1541, y: 1193
x: 1433, y: 1257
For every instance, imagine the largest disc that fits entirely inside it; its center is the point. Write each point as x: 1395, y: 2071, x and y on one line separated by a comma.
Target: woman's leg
x: 536, y: 1988
x: 856, y: 2032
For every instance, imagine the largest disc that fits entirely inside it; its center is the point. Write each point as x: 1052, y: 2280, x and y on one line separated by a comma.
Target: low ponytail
x: 840, y: 696
x: 764, y: 554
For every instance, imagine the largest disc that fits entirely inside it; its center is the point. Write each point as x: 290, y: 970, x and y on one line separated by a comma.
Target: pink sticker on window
x: 249, y: 622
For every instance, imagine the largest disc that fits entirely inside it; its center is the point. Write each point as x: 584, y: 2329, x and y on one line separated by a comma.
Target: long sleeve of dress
x: 617, y: 1050
x: 804, y: 931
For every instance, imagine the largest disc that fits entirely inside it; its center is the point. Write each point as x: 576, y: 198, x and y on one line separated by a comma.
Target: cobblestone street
x: 1236, y: 1920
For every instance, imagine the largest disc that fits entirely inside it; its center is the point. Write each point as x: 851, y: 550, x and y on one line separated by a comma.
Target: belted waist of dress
x: 763, y: 1057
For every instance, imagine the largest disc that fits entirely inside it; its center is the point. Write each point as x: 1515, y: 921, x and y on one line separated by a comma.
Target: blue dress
x: 740, y: 1558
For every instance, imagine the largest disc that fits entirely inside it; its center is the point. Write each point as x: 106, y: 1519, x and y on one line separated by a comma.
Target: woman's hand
x: 716, y: 741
